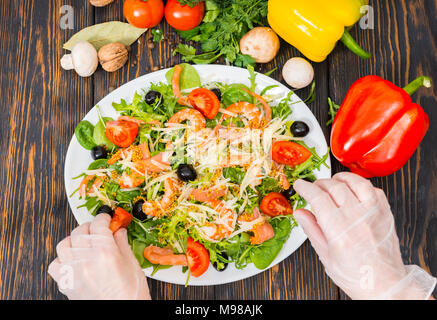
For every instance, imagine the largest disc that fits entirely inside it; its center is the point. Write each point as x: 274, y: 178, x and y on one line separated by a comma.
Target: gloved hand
x: 93, y: 263
x: 353, y: 232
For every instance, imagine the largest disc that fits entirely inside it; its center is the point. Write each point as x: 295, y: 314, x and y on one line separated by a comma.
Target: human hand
x: 93, y: 264
x: 353, y: 232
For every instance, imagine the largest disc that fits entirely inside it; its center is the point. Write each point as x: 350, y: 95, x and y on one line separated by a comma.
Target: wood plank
x: 42, y: 105
x: 403, y: 45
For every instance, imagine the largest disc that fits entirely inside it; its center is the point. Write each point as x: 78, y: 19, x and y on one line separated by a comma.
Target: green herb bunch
x: 224, y: 24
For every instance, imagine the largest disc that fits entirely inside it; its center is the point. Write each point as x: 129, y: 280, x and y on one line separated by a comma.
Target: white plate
x: 78, y: 159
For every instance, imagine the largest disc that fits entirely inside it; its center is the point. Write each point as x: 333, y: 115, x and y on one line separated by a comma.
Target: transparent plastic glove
x: 353, y: 232
x: 93, y: 264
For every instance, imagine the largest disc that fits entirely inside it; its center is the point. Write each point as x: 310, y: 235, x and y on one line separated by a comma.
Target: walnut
x: 113, y: 56
x: 100, y: 3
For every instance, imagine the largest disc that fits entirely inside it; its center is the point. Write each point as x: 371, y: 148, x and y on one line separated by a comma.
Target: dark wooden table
x: 41, y: 105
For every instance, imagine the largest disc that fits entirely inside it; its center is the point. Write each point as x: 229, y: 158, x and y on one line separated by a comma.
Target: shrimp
x: 164, y: 256
x: 140, y: 152
x: 154, y: 207
x: 249, y: 110
x: 140, y: 168
x: 195, y: 117
x: 262, y: 231
x: 223, y: 226
x: 267, y: 109
x: 138, y: 121
x: 84, y: 190
x: 208, y: 194
x: 176, y: 87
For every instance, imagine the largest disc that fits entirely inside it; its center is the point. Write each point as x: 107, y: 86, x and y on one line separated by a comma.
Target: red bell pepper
x: 378, y: 127
x: 120, y: 219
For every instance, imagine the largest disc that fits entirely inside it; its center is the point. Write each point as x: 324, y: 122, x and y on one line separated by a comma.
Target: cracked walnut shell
x: 113, y: 56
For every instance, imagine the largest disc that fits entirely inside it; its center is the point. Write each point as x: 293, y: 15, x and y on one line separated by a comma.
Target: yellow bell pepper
x: 315, y: 26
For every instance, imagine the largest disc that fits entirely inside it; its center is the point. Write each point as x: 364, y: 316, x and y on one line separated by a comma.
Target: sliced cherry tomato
x: 184, y: 17
x: 120, y: 219
x: 289, y: 153
x: 275, y: 204
x: 205, y: 101
x: 198, y: 257
x: 121, y: 133
x: 143, y: 14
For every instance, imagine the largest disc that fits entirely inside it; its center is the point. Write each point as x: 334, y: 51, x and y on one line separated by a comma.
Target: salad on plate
x: 200, y: 174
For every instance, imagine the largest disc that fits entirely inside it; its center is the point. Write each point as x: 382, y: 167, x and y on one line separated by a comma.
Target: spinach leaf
x: 99, y: 134
x: 84, y: 134
x: 97, y: 164
x: 127, y: 196
x: 138, y: 250
x: 263, y: 255
x: 189, y: 77
x: 234, y: 94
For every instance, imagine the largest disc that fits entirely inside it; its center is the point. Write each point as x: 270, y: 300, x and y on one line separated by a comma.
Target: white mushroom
x: 298, y: 72
x: 261, y: 43
x: 83, y: 59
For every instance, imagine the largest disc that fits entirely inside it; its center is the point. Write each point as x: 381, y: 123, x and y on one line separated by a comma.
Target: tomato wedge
x: 120, y: 219
x: 275, y: 204
x: 121, y: 133
x: 198, y: 257
x: 289, y: 153
x: 205, y: 101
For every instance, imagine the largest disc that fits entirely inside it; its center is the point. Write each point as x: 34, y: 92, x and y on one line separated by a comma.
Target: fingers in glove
x: 80, y: 236
x: 120, y: 238
x: 100, y: 225
x: 340, y: 192
x: 312, y: 229
x: 54, y: 269
x: 320, y: 201
x: 362, y: 188
x: 63, y: 250
x: 380, y: 194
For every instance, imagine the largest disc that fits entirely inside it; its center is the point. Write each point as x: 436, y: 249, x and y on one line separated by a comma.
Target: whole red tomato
x: 143, y: 14
x: 184, y: 18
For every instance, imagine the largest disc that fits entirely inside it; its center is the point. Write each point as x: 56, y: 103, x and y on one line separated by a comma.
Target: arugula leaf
x: 234, y: 174
x: 268, y: 185
x: 312, y: 95
x: 333, y: 109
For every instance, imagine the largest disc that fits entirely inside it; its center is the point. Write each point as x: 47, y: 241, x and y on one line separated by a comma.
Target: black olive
x: 105, y: 209
x: 186, y: 172
x: 299, y: 129
x: 289, y: 193
x: 218, y: 93
x: 99, y: 152
x: 152, y: 96
x: 309, y: 179
x: 224, y: 255
x: 137, y: 210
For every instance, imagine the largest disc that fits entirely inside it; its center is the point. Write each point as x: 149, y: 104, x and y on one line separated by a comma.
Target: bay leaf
x: 108, y: 32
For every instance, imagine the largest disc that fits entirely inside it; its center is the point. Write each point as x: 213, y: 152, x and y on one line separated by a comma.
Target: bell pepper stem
x: 420, y: 82
x: 351, y: 44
